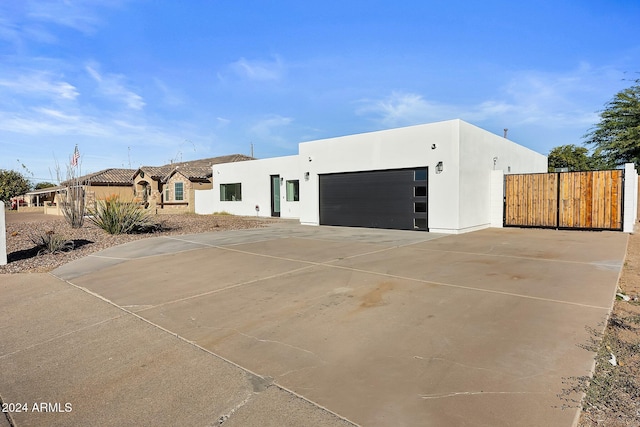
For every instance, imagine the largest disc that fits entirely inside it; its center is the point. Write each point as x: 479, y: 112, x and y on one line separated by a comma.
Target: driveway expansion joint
x: 256, y: 385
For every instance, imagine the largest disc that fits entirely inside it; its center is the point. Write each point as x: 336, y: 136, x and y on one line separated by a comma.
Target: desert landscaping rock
x: 21, y: 227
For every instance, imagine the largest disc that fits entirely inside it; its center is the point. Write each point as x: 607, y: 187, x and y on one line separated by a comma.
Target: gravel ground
x: 22, y: 252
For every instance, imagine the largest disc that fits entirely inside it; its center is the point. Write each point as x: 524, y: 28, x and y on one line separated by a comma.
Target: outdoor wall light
x: 281, y: 180
x: 439, y: 167
x: 434, y: 146
x: 306, y: 176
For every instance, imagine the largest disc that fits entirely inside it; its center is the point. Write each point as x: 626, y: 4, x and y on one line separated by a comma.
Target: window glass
x: 420, y: 206
x: 231, y: 192
x: 166, y: 195
x: 178, y: 191
x: 420, y: 223
x: 420, y: 191
x: 420, y: 174
x: 293, y: 191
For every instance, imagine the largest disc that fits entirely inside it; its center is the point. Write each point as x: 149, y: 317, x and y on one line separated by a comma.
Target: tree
x: 12, y: 184
x: 616, y: 138
x: 41, y: 185
x: 570, y: 156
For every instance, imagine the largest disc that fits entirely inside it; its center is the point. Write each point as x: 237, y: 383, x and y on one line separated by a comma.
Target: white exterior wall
x: 630, y: 213
x: 478, y: 148
x: 407, y: 147
x: 497, y: 198
x: 459, y: 198
x: 254, y: 175
x: 204, y: 202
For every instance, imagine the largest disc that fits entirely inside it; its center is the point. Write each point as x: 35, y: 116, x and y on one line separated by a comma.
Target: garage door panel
x: 376, y: 199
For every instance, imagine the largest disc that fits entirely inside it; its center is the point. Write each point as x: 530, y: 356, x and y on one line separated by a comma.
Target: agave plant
x: 116, y: 216
x: 50, y: 242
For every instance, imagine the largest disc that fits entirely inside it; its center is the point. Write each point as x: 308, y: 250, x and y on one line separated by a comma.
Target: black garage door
x: 394, y: 199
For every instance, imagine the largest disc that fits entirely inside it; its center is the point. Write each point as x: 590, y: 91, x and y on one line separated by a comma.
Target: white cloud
x: 528, y: 98
x: 170, y: 96
x: 84, y: 16
x: 259, y: 70
x: 266, y: 126
x: 271, y: 129
x: 45, y: 122
x: 112, y: 86
x: 403, y: 109
x: 222, y: 121
x: 40, y: 84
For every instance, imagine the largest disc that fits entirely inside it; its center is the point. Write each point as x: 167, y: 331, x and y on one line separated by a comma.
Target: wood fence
x: 586, y: 200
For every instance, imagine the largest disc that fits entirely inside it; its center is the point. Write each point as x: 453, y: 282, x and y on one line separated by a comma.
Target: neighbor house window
x: 293, y: 191
x: 178, y: 190
x: 230, y: 192
x: 166, y: 195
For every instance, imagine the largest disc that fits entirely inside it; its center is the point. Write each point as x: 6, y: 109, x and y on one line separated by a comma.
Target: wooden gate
x: 586, y: 200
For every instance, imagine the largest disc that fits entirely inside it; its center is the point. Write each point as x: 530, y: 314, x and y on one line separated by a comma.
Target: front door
x: 275, y: 195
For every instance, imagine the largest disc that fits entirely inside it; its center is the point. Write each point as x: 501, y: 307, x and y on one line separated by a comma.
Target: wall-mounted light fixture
x: 281, y: 180
x: 306, y: 176
x: 310, y: 159
x: 434, y: 146
x: 495, y: 161
x: 439, y: 167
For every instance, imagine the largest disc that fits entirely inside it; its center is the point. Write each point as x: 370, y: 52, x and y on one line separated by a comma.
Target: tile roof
x: 154, y: 172
x: 111, y: 176
x: 192, y: 173
x: 193, y: 169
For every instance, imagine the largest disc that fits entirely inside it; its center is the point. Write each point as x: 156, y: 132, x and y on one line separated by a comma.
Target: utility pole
x: 252, y: 149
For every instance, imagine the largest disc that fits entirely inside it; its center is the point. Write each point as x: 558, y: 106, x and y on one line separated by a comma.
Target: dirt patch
x: 375, y: 298
x: 22, y: 253
x: 613, y: 394
x: 12, y: 217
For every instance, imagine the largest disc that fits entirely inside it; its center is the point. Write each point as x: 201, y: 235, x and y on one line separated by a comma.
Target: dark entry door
x: 275, y: 195
x: 394, y: 199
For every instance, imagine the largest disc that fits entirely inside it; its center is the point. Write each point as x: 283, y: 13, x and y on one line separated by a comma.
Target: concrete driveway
x: 381, y: 327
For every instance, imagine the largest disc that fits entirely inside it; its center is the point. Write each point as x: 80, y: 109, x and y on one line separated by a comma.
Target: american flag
x: 75, y: 157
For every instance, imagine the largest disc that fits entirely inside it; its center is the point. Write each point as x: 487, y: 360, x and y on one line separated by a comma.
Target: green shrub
x: 119, y: 217
x: 222, y: 213
x: 51, y: 243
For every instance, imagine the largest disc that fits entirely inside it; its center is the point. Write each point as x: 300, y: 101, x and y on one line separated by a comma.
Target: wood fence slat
x: 568, y: 200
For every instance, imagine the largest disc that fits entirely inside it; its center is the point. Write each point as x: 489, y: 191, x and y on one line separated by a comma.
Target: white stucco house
x: 434, y: 177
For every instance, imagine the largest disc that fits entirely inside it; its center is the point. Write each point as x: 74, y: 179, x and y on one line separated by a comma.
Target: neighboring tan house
x: 162, y: 189
x: 96, y: 186
x: 107, y: 183
x: 171, y: 188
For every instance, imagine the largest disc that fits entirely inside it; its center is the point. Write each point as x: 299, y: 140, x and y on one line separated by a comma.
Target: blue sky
x: 144, y: 82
